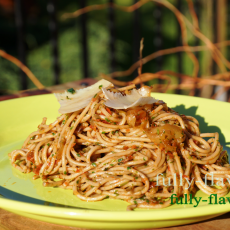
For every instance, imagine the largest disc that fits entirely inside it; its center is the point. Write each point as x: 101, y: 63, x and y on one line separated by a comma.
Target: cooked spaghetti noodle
x: 142, y: 154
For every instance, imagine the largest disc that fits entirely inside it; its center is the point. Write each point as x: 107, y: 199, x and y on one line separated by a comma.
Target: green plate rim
x: 107, y: 216
x: 145, y: 215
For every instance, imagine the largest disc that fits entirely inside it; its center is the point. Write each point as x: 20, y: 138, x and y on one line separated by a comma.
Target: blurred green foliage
x: 39, y: 55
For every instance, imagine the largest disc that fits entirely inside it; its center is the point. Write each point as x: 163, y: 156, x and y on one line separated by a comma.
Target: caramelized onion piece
x: 145, y: 91
x: 136, y: 117
x: 167, y: 137
x: 79, y: 129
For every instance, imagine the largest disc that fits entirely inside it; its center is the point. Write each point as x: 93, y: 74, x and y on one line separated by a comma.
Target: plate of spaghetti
x: 115, y: 158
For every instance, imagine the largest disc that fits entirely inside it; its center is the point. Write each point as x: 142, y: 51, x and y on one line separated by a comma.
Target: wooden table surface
x: 11, y: 221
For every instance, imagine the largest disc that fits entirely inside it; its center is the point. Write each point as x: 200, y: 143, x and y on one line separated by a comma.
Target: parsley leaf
x: 119, y: 160
x: 107, y: 119
x: 71, y: 90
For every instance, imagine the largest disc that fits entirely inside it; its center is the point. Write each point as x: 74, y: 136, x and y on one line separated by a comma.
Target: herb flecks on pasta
x: 140, y: 154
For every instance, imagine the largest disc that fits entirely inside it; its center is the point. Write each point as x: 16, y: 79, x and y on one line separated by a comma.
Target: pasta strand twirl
x: 142, y: 154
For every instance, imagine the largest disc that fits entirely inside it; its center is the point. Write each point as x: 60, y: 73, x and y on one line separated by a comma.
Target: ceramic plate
x: 22, y: 195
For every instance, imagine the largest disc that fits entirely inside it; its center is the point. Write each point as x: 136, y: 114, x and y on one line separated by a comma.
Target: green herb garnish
x: 94, y: 164
x: 107, y: 119
x: 71, y: 90
x: 119, y: 160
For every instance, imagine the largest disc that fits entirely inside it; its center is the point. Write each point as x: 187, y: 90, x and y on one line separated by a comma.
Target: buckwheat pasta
x: 142, y: 154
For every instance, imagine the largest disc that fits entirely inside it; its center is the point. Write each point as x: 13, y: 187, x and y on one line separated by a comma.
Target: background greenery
x: 39, y: 56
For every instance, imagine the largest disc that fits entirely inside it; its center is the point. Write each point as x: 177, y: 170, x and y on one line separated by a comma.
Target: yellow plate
x: 20, y: 117
x: 116, y: 224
